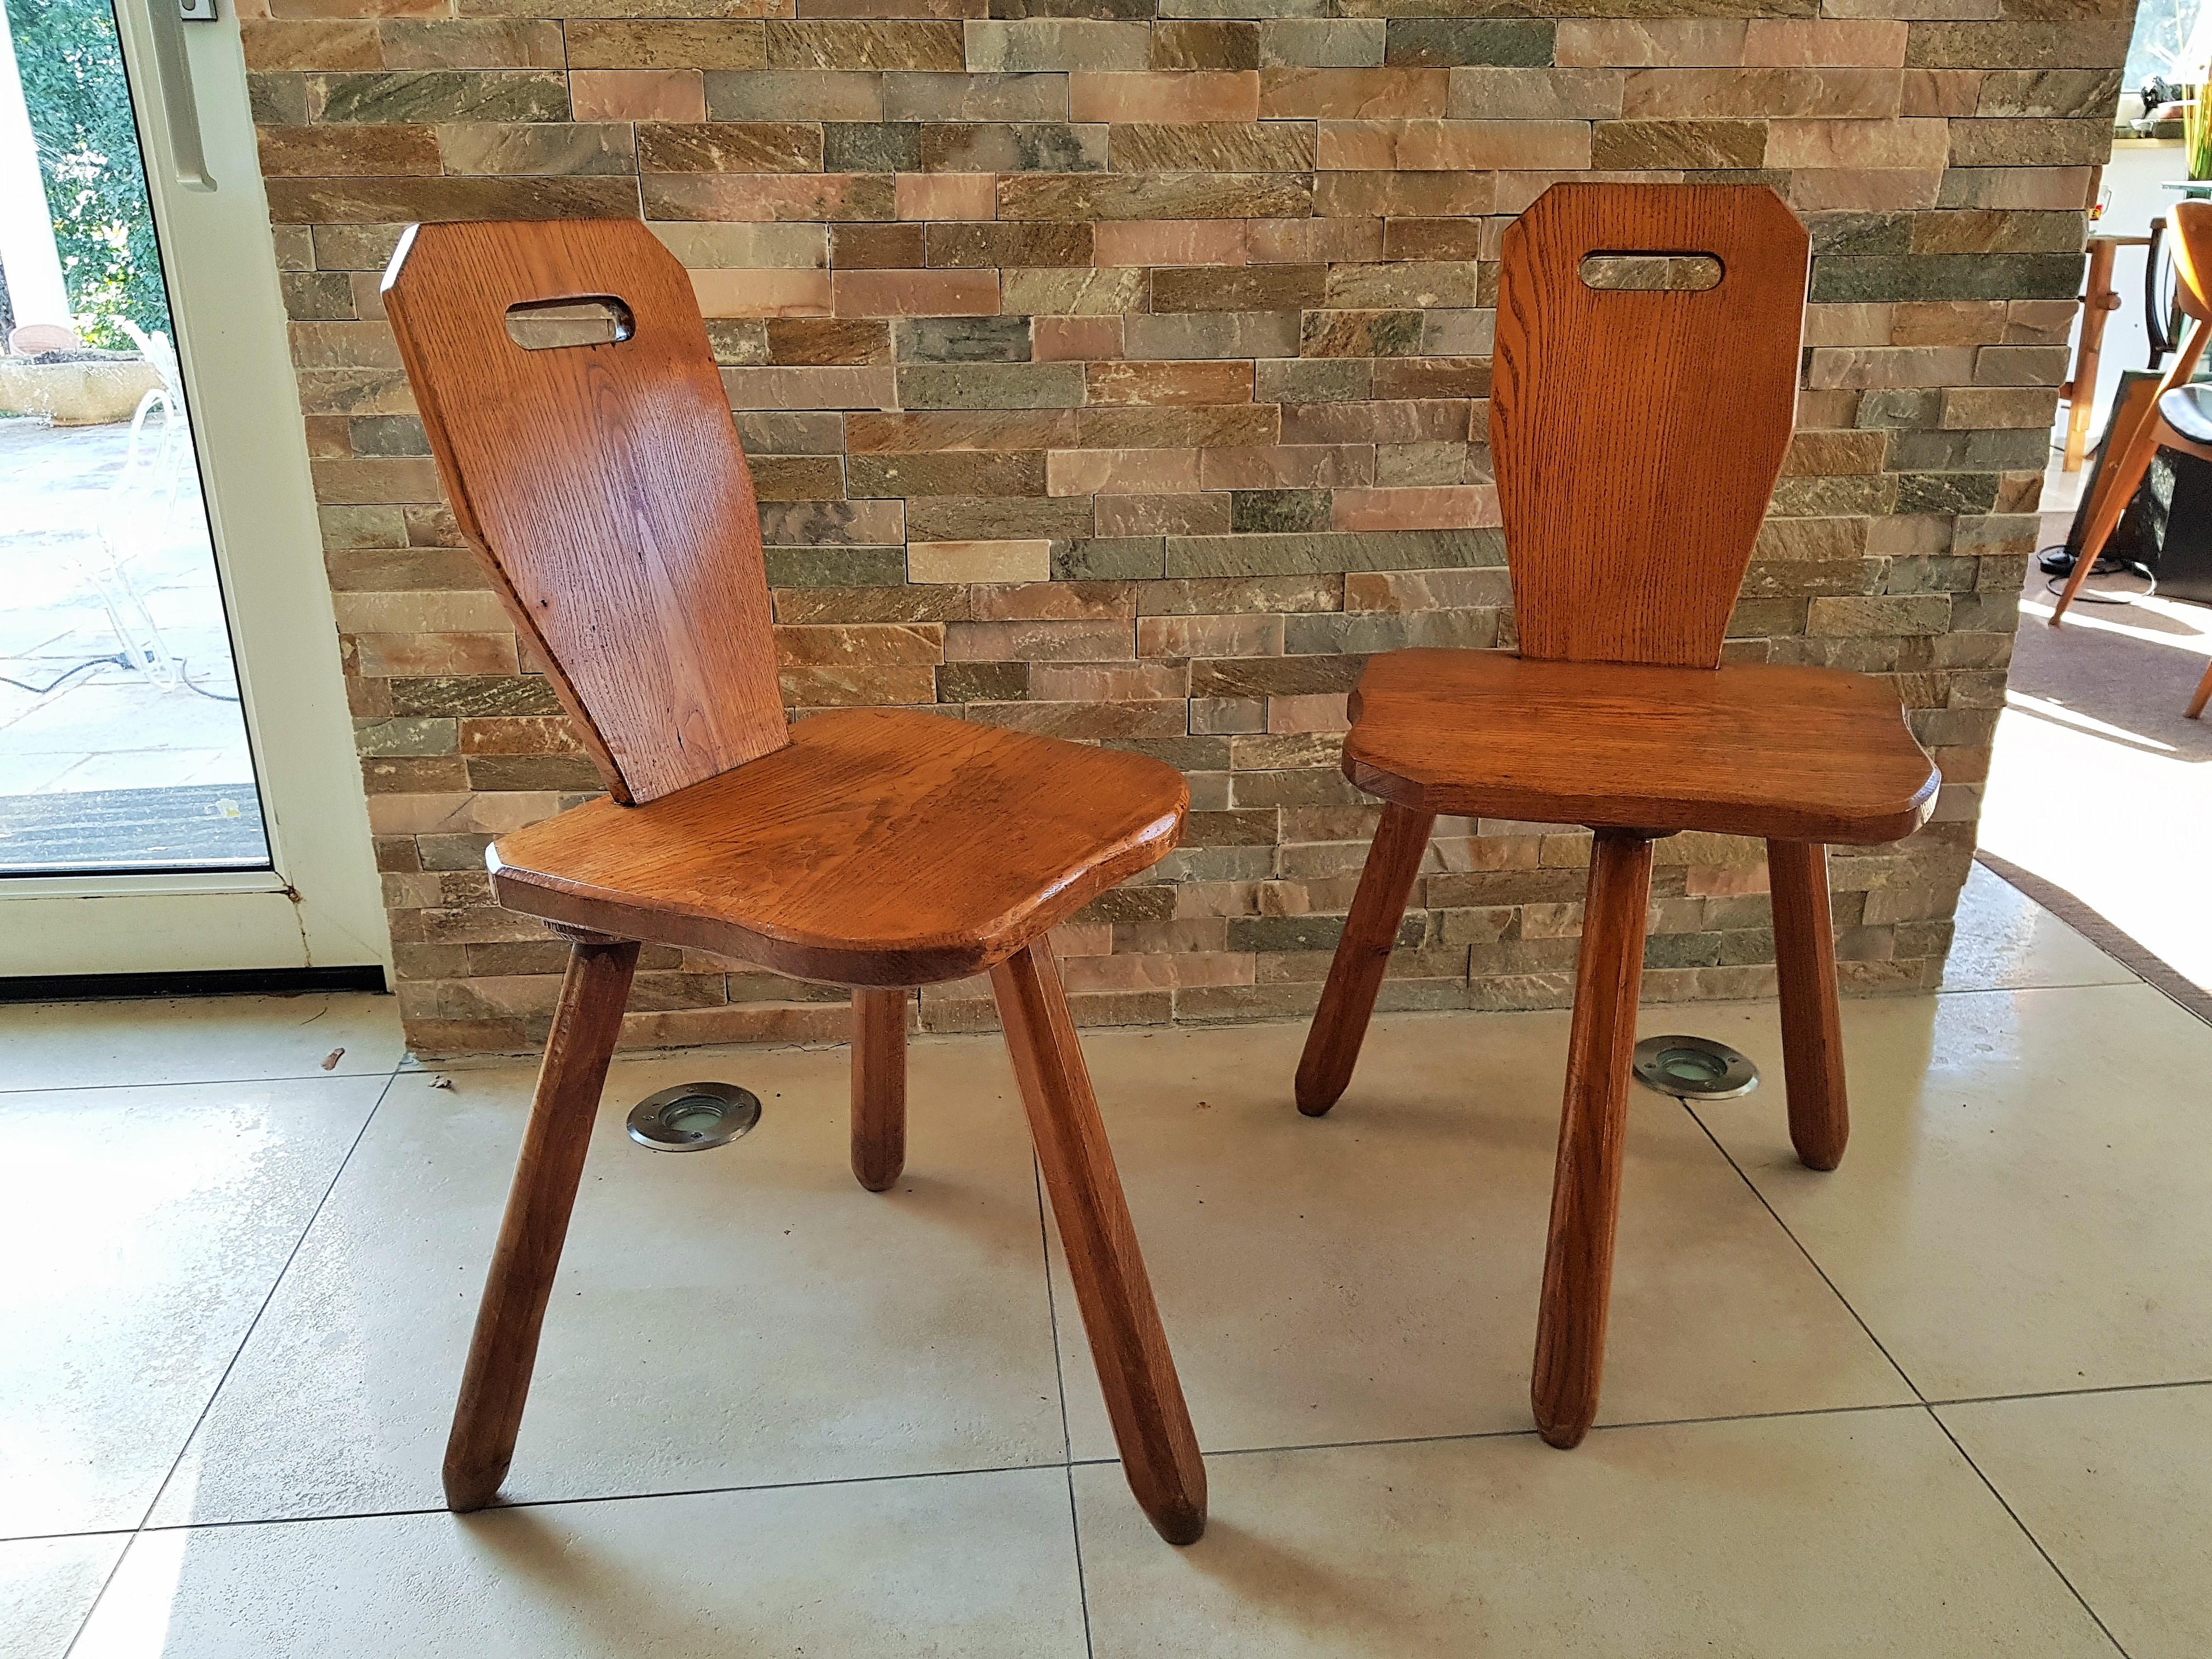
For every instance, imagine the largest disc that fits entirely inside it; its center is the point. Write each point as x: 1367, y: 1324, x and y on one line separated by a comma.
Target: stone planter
x: 89, y: 391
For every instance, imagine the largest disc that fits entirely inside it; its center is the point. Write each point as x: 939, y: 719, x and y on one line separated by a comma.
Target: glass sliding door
x: 123, y: 743
x: 158, y: 553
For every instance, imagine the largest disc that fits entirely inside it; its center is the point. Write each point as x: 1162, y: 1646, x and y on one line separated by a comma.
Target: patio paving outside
x: 101, y: 766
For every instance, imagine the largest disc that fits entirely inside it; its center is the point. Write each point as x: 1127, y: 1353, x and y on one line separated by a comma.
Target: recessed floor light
x: 694, y: 1117
x: 1695, y: 1066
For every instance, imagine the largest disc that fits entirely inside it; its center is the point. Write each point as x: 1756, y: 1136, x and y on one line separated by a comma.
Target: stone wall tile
x: 638, y: 94
x: 1119, y: 371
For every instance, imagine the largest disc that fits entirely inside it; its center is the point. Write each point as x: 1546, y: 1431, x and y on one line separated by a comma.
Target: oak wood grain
x: 1363, y: 955
x: 604, y: 487
x: 1593, y: 1131
x: 878, y: 1087
x: 1749, y: 748
x: 504, y: 1349
x: 1143, y: 1399
x: 1811, y: 1023
x: 1638, y: 433
x: 878, y: 847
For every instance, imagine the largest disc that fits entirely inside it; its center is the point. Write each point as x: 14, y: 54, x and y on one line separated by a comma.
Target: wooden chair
x: 2177, y: 415
x: 1637, y: 437
x: 605, y: 487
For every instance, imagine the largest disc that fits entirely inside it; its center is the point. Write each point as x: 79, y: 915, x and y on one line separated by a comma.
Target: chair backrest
x: 604, y: 485
x: 2191, y: 242
x: 2193, y: 257
x: 1638, y: 431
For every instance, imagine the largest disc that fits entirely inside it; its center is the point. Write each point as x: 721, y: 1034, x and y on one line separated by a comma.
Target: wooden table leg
x: 2203, y: 696
x: 1811, y: 1023
x: 569, y: 1082
x: 1136, y: 1372
x: 1593, y: 1128
x: 879, y: 1086
x: 1362, y: 953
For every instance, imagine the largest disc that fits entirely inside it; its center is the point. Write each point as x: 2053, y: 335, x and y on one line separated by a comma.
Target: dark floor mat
x: 192, y: 827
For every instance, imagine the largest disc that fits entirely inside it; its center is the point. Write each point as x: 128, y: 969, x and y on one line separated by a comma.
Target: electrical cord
x: 116, y: 660
x: 193, y: 685
x: 2054, y: 585
x: 68, y: 674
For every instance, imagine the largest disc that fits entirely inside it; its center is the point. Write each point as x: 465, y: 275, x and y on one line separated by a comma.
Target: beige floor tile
x: 2118, y: 1487
x: 2007, y: 941
x: 1373, y: 1273
x: 1780, y: 1538
x: 2027, y: 1204
x: 47, y: 1585
x: 981, y: 1565
x: 142, y: 1229
x: 730, y: 1317
x: 71, y: 1045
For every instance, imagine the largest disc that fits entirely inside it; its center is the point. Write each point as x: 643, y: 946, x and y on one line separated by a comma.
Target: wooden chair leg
x: 1812, y: 1025
x: 1593, y: 1126
x: 879, y: 1086
x: 528, y: 1254
x: 1363, y: 952
x: 2121, y: 477
x: 2203, y: 696
x: 1143, y: 1399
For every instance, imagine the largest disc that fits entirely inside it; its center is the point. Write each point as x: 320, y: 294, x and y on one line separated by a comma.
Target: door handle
x: 181, y: 110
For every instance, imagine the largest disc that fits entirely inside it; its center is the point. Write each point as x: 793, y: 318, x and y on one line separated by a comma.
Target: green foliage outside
x: 72, y: 72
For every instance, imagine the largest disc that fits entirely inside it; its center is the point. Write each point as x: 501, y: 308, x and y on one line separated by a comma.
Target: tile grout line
x: 245, y: 1337
x: 2005, y: 1504
x: 2071, y: 1393
x: 1102, y: 1462
x: 317, y: 1076
x: 1880, y: 1347
x: 1060, y: 1379
x: 1942, y: 1427
x: 503, y: 1507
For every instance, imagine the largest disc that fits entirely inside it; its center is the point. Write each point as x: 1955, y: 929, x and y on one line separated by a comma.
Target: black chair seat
x: 2188, y: 410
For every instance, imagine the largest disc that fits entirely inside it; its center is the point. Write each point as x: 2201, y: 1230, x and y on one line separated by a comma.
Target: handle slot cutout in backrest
x: 573, y: 320
x: 1641, y: 272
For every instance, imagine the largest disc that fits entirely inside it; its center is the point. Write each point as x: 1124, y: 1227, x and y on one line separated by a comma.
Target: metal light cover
x: 1695, y: 1067
x: 692, y: 1117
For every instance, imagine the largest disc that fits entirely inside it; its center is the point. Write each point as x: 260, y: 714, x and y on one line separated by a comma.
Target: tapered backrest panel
x: 1638, y: 429
x: 603, y: 483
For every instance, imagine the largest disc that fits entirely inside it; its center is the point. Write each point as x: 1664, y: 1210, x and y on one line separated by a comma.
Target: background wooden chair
x: 605, y: 487
x: 2177, y: 415
x: 1637, y: 437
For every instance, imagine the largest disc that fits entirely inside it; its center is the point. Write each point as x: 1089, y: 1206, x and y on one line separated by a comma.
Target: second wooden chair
x: 1638, y: 433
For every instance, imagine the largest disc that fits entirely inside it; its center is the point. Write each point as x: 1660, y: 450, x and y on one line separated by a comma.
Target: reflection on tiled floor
x: 1953, y: 1399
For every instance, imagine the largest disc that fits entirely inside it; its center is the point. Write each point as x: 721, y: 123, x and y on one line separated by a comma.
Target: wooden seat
x: 2176, y: 415
x: 857, y: 856
x: 1637, y: 434
x: 602, y: 484
x: 1792, y: 754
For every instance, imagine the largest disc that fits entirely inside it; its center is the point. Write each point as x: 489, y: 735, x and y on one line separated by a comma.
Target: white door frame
x: 320, y: 906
